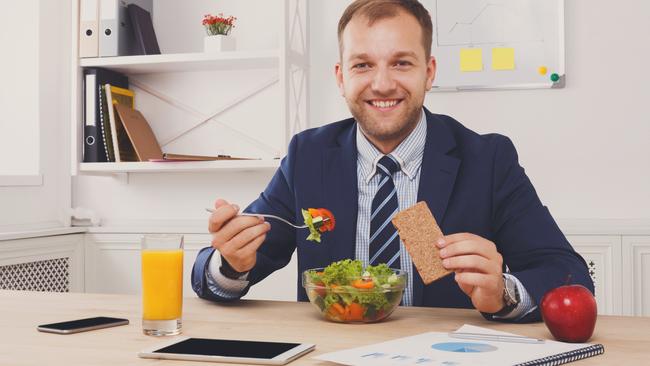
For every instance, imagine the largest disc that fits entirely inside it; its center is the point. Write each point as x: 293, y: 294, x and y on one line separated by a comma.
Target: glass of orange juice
x: 162, y: 284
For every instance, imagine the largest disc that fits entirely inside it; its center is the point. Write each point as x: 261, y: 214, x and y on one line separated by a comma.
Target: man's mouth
x: 384, y: 104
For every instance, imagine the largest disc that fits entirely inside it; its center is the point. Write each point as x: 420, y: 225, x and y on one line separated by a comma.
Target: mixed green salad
x: 345, y: 291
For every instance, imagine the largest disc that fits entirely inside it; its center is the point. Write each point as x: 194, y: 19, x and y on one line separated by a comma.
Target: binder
x: 92, y: 150
x: 88, y: 28
x: 94, y: 77
x: 115, y: 28
x: 143, y: 31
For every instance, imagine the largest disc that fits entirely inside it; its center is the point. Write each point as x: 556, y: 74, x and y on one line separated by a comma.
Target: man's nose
x: 383, y: 82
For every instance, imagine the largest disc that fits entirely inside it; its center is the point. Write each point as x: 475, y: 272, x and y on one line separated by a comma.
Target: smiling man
x: 503, y: 245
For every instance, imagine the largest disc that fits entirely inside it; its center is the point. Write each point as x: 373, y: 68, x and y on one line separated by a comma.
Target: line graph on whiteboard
x: 497, y: 44
x: 474, y: 23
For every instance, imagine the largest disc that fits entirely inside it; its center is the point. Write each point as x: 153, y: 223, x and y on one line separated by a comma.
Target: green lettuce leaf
x: 314, y: 234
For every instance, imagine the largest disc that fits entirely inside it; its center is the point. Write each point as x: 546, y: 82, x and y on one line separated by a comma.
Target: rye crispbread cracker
x: 419, y: 231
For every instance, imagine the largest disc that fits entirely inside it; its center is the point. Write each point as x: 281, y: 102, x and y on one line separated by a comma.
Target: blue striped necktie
x: 384, y: 241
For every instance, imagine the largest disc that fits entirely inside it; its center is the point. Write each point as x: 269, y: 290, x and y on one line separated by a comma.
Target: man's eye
x: 361, y: 66
x: 403, y: 63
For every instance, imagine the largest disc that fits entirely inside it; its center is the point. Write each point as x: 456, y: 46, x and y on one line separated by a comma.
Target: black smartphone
x: 82, y: 325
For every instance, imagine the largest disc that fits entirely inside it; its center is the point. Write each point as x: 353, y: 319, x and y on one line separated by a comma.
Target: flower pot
x: 218, y: 43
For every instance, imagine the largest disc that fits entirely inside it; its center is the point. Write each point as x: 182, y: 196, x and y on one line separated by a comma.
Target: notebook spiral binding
x: 566, y: 357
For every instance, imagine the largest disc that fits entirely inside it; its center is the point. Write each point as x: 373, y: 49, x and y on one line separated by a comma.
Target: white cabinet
x: 603, y: 256
x: 51, y: 263
x: 113, y: 266
x: 636, y: 275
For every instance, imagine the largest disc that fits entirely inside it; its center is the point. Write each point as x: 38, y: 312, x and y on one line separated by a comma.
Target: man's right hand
x: 237, y: 238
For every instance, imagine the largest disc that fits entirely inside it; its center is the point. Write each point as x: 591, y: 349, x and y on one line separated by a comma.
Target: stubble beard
x: 394, y: 132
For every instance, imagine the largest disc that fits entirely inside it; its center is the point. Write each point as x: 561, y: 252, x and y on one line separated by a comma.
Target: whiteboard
x: 497, y: 44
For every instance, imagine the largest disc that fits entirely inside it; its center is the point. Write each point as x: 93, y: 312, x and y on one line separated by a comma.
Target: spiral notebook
x: 433, y: 348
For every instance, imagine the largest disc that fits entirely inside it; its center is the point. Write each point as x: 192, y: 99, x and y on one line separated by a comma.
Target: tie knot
x: 388, y: 165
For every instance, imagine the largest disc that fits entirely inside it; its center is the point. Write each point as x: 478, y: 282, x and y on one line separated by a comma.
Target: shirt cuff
x: 526, y: 304
x: 221, y: 285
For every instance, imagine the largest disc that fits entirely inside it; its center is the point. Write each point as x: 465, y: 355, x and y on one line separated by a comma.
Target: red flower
x: 218, y: 24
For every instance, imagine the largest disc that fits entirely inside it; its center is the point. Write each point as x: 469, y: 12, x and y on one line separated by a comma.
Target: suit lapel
x: 341, y: 194
x: 437, y: 177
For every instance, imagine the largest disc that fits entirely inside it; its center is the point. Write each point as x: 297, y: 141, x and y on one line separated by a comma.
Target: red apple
x: 570, y: 313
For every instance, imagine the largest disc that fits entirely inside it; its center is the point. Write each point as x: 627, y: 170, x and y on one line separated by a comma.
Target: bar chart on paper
x: 497, y: 44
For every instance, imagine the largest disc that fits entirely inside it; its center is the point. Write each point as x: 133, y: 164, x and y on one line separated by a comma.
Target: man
x: 473, y: 184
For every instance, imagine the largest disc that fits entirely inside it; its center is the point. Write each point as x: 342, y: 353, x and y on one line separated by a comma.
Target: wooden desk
x: 626, y: 339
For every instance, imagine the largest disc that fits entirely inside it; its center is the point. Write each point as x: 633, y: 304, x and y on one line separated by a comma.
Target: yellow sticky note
x: 471, y: 59
x: 503, y: 58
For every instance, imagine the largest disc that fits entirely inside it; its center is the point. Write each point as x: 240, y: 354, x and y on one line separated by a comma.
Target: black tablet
x: 228, y: 350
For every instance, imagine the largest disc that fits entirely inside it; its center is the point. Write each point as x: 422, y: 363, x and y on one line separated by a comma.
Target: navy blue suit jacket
x: 472, y: 183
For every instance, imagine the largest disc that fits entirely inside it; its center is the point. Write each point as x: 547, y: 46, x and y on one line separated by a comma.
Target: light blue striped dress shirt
x: 409, y: 155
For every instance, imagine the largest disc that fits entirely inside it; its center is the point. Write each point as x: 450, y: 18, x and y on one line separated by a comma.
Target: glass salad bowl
x: 347, y: 293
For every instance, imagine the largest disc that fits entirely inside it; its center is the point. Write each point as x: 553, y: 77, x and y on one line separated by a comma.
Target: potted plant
x: 218, y: 30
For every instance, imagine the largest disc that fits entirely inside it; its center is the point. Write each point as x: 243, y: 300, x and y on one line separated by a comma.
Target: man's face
x: 383, y: 75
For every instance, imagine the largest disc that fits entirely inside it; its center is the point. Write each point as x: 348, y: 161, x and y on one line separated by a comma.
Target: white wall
x: 584, y: 147
x: 33, y: 115
x: 20, y: 91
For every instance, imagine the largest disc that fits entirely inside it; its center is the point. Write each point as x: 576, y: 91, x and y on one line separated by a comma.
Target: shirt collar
x: 408, y: 153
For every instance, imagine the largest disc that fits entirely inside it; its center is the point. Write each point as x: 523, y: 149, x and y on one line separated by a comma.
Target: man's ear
x: 431, y: 72
x: 338, y: 71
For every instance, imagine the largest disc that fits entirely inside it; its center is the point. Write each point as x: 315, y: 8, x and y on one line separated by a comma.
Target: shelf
x: 181, y: 62
x: 185, y: 166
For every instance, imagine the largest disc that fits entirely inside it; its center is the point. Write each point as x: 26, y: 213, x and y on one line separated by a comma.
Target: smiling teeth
x: 384, y: 104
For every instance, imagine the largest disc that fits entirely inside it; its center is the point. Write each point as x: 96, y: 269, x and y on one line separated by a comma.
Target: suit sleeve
x: 277, y: 199
x: 531, y: 243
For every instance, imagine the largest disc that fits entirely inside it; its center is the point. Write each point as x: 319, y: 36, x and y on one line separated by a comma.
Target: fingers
x: 449, y: 239
x: 240, y: 250
x: 472, y: 263
x: 220, y: 202
x: 484, y: 248
x: 480, y: 280
x: 467, y: 289
x: 234, y: 227
x: 465, y: 244
x: 248, y: 235
x: 244, y: 259
x: 223, y: 212
x: 250, y: 250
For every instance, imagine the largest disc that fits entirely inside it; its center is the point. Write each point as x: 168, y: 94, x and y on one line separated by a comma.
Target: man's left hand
x: 478, y: 269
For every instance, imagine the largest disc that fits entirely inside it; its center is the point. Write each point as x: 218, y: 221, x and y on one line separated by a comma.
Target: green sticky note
x: 471, y: 59
x: 503, y: 58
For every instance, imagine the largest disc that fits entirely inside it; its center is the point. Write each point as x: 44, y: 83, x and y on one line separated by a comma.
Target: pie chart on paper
x: 463, y: 347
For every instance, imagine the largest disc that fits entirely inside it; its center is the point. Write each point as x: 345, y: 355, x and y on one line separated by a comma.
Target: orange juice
x: 162, y: 284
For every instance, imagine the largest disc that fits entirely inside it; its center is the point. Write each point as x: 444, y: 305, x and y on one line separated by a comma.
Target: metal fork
x: 272, y: 217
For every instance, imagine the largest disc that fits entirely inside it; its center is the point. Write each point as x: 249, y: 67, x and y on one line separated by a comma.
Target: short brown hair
x: 375, y: 10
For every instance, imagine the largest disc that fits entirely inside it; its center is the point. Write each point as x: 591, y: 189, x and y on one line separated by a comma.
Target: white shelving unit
x: 290, y: 60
